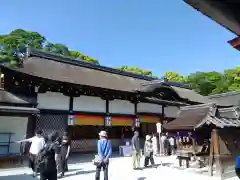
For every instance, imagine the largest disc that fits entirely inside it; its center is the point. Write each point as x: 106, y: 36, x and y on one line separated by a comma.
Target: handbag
x: 97, y: 159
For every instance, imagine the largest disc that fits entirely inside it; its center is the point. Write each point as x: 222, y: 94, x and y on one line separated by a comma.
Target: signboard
x: 159, y: 127
x: 71, y: 120
x: 108, y: 121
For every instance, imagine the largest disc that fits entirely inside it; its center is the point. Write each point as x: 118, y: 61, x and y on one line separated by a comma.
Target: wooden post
x: 216, y: 152
x: 194, y: 148
x: 210, y: 162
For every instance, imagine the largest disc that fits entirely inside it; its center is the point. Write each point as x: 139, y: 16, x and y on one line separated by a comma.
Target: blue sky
x: 159, y: 35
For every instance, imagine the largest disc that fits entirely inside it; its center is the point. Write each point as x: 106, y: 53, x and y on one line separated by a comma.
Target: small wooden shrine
x: 221, y: 125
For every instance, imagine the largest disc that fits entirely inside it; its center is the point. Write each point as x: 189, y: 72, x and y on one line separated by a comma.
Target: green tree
x: 232, y: 78
x: 81, y: 56
x: 137, y: 70
x: 174, y: 77
x: 13, y: 47
x: 204, y: 82
x: 57, y: 48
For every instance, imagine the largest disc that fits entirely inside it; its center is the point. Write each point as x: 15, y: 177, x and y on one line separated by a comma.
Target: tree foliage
x: 13, y: 47
x: 136, y: 70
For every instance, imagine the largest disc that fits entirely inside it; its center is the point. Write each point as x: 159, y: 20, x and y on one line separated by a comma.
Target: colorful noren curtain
x: 122, y: 121
x: 89, y: 120
x: 149, y: 119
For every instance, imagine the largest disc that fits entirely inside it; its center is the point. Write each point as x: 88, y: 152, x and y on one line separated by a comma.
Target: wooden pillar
x: 106, y: 113
x: 163, y: 113
x: 70, y: 104
x: 216, y: 153
x: 107, y: 107
x: 211, y: 156
x: 136, y: 115
x: 70, y: 113
x: 135, y: 109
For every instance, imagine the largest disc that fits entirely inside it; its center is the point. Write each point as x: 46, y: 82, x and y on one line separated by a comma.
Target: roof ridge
x: 67, y: 60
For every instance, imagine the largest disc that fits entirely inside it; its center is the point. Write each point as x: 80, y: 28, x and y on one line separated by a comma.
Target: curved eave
x: 222, y: 15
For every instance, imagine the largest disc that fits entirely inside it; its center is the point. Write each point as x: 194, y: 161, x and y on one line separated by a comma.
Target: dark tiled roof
x: 50, y: 66
x: 188, y: 118
x: 183, y: 92
x: 229, y: 113
x: 228, y: 99
x: 193, y: 117
x: 61, y: 69
x: 57, y: 68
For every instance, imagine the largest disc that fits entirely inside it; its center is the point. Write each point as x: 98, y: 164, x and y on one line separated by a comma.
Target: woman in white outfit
x: 155, y: 145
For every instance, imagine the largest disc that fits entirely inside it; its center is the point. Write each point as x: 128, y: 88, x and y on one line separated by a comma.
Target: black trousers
x: 64, y: 165
x: 51, y: 175
x: 103, y: 166
x: 237, y: 170
x: 147, y: 158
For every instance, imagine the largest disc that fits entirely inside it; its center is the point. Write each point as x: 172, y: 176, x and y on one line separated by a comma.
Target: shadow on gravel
x: 141, y: 178
x: 17, y: 177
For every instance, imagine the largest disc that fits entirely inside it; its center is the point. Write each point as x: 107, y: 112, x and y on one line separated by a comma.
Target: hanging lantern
x: 71, y: 120
x: 108, y: 121
x: 137, y: 122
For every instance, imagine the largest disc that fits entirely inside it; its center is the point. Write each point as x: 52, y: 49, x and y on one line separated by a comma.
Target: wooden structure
x: 224, y: 13
x: 15, y: 122
x: 222, y: 123
x: 82, y: 97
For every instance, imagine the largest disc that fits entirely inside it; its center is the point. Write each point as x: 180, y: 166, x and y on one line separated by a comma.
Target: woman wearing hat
x: 148, y: 151
x: 104, y: 153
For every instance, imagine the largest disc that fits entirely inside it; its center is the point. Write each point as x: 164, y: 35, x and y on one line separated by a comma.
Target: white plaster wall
x: 51, y: 100
x: 171, y: 111
x: 16, y: 125
x: 121, y: 106
x: 89, y: 103
x: 149, y: 108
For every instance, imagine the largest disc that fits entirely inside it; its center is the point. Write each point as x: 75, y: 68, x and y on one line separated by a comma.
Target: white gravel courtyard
x: 120, y: 168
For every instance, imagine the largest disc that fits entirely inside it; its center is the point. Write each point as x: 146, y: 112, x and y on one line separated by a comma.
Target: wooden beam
x: 235, y: 43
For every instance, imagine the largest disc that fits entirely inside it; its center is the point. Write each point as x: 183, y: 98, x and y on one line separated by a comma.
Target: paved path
x: 120, y: 168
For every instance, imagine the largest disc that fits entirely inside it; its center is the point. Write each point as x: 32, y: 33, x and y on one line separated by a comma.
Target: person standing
x: 155, y: 144
x: 148, y: 151
x: 165, y: 144
x: 104, y: 153
x: 57, y: 149
x: 47, y: 163
x: 37, y: 143
x: 65, y: 150
x: 136, y: 151
x: 172, y: 145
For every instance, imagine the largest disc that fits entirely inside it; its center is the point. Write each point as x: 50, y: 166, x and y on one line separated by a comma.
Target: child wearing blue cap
x: 237, y: 166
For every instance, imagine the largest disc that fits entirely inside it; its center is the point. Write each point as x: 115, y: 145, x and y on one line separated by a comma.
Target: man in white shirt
x: 37, y: 143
